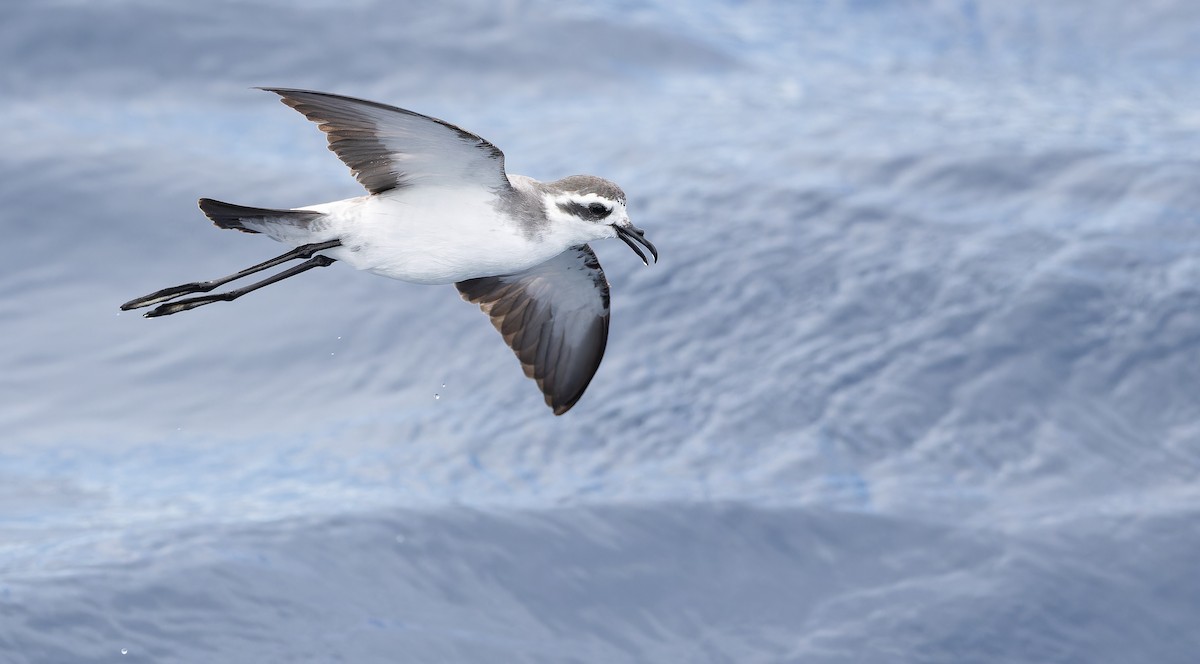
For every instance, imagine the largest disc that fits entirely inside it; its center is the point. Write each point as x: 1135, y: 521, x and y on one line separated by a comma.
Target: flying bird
x: 440, y: 209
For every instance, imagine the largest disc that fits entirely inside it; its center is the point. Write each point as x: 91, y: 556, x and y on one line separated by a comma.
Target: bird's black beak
x: 632, y: 234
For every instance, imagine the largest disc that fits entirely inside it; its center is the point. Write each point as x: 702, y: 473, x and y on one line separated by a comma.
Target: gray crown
x: 588, y: 184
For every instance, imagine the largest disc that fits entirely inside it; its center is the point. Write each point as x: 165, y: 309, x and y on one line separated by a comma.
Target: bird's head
x: 591, y: 208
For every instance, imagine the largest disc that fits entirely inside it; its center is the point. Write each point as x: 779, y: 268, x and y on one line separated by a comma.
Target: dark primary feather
x: 555, y: 318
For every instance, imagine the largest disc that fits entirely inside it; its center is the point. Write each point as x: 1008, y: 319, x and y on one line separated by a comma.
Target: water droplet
x: 339, y: 338
x: 436, y: 396
x: 443, y: 384
x: 331, y: 355
x: 124, y: 651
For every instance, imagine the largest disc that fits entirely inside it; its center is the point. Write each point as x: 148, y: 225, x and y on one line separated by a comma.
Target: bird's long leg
x: 303, y: 251
x: 193, y: 302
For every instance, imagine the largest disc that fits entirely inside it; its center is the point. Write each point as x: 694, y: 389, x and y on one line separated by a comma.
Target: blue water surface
x: 915, y: 380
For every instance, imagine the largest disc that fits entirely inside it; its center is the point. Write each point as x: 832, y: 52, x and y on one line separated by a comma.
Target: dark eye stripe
x: 593, y: 212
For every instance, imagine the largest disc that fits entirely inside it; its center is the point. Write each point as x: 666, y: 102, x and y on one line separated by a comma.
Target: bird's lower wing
x: 554, y: 317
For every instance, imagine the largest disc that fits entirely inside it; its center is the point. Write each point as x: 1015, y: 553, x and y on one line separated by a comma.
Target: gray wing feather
x: 390, y: 148
x: 554, y: 317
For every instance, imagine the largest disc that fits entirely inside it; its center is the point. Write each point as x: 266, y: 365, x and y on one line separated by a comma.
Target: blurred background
x: 916, y: 380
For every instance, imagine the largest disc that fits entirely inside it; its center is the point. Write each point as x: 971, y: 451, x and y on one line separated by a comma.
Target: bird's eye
x: 598, y: 209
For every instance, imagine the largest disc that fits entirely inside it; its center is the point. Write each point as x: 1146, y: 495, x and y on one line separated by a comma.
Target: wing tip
x: 563, y: 406
x: 293, y: 97
x: 556, y: 402
x: 290, y: 96
x: 278, y: 91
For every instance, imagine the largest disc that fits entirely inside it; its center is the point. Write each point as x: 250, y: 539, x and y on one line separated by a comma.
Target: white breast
x: 431, y: 235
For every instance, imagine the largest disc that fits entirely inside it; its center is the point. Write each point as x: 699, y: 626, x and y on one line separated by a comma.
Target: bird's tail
x: 275, y: 223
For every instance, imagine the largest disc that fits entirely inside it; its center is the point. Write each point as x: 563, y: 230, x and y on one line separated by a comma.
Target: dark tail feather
x: 252, y: 219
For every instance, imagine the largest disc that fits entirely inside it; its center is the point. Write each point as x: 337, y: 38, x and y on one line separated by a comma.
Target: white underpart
x: 429, y: 235
x: 441, y: 235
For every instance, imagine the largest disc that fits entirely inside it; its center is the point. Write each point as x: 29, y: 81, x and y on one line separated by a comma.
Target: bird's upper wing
x: 555, y: 318
x: 390, y: 148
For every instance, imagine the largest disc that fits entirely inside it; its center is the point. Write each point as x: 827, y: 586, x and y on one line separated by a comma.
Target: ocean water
x: 917, y: 378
